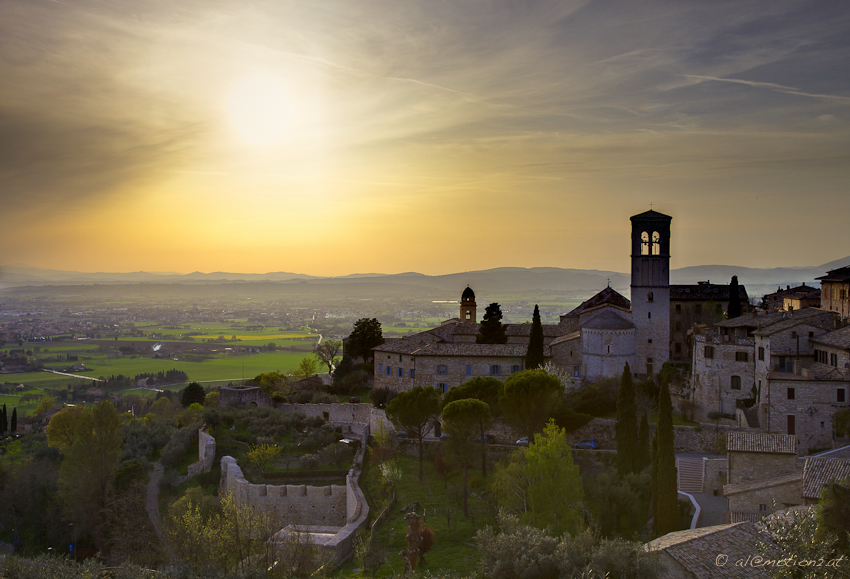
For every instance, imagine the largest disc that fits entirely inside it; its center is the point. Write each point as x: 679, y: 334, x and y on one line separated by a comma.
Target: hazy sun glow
x: 260, y: 109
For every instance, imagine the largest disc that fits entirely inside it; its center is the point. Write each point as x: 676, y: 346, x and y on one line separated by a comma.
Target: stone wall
x: 289, y: 504
x: 785, y: 495
x: 712, y: 377
x: 749, y: 466
x: 716, y: 474
x: 243, y: 394
x: 206, y: 454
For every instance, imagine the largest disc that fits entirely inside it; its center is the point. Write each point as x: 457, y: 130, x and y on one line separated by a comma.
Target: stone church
x: 594, y: 340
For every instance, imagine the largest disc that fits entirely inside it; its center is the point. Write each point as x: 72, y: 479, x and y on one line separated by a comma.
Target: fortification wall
x: 206, y: 454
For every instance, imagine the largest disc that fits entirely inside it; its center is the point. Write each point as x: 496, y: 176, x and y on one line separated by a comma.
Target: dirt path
x: 153, y: 506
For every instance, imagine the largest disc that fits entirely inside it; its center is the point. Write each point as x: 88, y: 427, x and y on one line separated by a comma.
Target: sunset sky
x: 334, y: 137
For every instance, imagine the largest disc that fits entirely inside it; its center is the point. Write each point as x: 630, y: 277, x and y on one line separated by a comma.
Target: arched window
x: 644, y: 243
x: 650, y: 297
x: 468, y: 315
x: 656, y: 243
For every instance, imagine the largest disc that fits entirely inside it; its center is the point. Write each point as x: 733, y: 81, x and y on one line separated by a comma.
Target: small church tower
x: 467, y: 306
x: 651, y: 290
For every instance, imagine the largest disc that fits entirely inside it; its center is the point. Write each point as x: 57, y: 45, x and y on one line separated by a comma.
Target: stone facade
x: 765, y: 496
x: 835, y: 291
x: 606, y: 351
x: 692, y: 305
x: 751, y: 466
x: 243, y: 395
x: 722, y: 373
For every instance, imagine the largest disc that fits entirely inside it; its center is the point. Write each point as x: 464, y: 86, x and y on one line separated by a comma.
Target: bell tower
x: 467, y: 306
x: 650, y: 287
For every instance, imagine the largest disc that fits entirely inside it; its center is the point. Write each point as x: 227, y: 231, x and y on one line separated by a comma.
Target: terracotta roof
x: 818, y: 472
x: 837, y: 339
x: 567, y: 338
x: 765, y: 320
x: 608, y: 320
x: 841, y: 274
x: 757, y: 442
x: 606, y: 296
x: 705, y: 291
x: 471, y: 329
x: 697, y: 550
x: 765, y: 483
x: 821, y: 319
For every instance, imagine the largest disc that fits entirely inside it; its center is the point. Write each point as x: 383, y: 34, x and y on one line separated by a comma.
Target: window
x: 400, y: 358
x: 678, y: 308
x: 649, y: 341
x: 380, y: 368
x: 741, y: 356
x: 763, y: 507
x: 736, y: 382
x: 791, y: 424
x: 389, y: 371
x: 442, y: 369
x: 811, y: 334
x: 649, y: 315
x: 793, y: 334
x: 656, y: 243
x: 576, y: 370
x: 443, y: 387
x: 709, y: 351
x: 833, y: 360
x: 468, y: 315
x: 840, y: 396
x: 515, y: 368
x: 469, y: 369
x: 678, y: 348
x: 495, y: 370
x: 791, y: 394
x: 649, y: 366
x: 650, y: 297
x: 761, y: 353
x: 644, y: 243
x: 412, y: 373
x: 401, y: 372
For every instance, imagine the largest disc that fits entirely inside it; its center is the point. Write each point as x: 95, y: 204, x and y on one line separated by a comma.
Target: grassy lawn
x: 443, y: 512
x: 677, y: 420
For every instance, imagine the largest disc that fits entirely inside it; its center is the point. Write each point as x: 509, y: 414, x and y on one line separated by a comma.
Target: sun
x: 260, y: 109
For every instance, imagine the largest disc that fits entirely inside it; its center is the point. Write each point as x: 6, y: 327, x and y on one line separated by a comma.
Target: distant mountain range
x: 503, y: 280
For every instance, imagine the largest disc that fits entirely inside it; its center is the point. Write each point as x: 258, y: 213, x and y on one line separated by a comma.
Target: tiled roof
x: 606, y: 296
x: 745, y: 516
x: 697, y: 550
x: 837, y: 339
x: 822, y: 320
x: 765, y: 483
x: 608, y: 320
x: 841, y: 274
x: 567, y: 338
x: 419, y: 348
x: 705, y: 291
x: 756, y: 442
x: 818, y: 472
x: 766, y: 320
x: 471, y: 329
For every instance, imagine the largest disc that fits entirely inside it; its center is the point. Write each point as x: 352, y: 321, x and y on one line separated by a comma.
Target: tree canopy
x: 484, y: 388
x: 365, y: 335
x: 491, y: 330
x: 462, y: 421
x: 327, y: 351
x: 414, y: 411
x: 193, y: 393
x: 529, y: 399
x: 534, y: 357
x: 541, y: 485
x: 665, y: 495
x: 626, y: 427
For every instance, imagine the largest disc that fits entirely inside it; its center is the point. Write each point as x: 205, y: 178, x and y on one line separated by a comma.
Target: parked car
x: 522, y: 441
x: 444, y: 436
x: 587, y: 444
x: 401, y: 434
x: 354, y: 399
x: 488, y: 439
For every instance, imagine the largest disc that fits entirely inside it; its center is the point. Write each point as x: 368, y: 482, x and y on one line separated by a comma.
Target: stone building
x: 835, y: 291
x: 821, y: 471
x: 690, y: 305
x: 594, y: 340
x: 798, y: 297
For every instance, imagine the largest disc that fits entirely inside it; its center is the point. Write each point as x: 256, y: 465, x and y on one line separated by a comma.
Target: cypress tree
x: 626, y: 428
x: 534, y: 356
x: 654, y: 477
x: 667, y: 499
x: 734, y: 309
x: 491, y: 330
x: 643, y: 453
x: 4, y: 423
x: 14, y: 427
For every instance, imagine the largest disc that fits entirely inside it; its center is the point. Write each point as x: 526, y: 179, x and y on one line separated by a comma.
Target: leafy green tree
x: 62, y: 428
x: 89, y: 461
x: 834, y: 517
x: 529, y: 399
x: 365, y: 335
x: 491, y: 329
x: 735, y: 308
x: 414, y: 411
x: 626, y: 428
x: 45, y: 404
x: 193, y: 393
x: 541, y: 485
x: 643, y: 451
x: 462, y: 422
x: 327, y: 351
x: 665, y: 490
x: 534, y: 357
x: 306, y: 368
x: 486, y: 389
x: 262, y: 454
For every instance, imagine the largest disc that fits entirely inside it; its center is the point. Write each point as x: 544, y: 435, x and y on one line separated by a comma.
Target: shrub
x: 380, y: 397
x: 596, y: 399
x: 179, y: 444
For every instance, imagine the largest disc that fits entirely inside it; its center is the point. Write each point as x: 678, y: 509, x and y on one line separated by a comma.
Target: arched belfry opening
x: 644, y: 243
x: 467, y: 306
